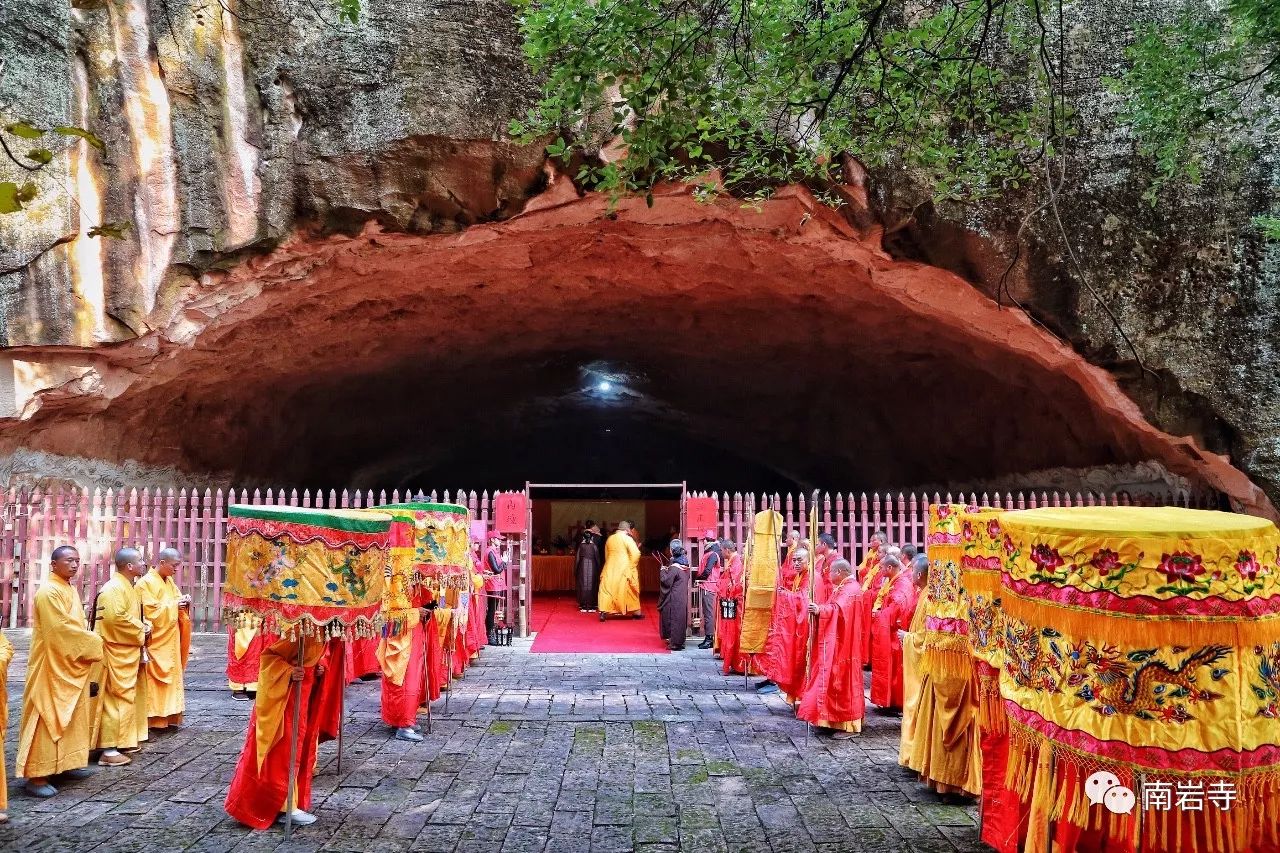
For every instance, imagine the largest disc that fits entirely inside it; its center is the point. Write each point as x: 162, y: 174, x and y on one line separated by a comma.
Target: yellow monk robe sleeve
x: 71, y: 651
x: 160, y: 608
x: 6, y: 655
x: 119, y: 617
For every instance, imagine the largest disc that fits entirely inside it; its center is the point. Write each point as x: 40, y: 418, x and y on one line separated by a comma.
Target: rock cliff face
x: 295, y: 188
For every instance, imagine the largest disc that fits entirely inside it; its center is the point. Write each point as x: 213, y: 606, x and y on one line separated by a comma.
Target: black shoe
x: 602, y: 617
x: 677, y: 648
x: 706, y: 644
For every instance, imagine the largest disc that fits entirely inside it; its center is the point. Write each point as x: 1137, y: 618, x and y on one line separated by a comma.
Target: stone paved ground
x: 556, y: 753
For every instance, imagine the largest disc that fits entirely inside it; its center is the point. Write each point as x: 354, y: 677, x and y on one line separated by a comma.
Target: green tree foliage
x: 965, y: 96
x: 1205, y: 78
x: 771, y: 91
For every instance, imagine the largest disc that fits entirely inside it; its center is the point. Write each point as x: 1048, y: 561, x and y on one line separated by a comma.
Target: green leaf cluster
x: 772, y: 91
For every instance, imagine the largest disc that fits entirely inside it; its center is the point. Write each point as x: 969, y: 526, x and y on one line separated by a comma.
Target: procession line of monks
x: 817, y: 648
x: 99, y: 688
x: 444, y: 636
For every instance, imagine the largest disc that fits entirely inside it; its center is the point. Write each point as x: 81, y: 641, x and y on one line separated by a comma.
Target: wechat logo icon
x: 1105, y: 788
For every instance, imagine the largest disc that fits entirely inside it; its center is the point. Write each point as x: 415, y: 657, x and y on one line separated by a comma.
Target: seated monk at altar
x: 832, y: 697
x: 895, y: 606
x: 260, y: 786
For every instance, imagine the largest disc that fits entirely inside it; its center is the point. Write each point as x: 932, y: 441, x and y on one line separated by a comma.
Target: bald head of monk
x: 129, y: 563
x: 920, y: 570
x: 840, y: 569
x: 167, y: 562
x: 64, y: 562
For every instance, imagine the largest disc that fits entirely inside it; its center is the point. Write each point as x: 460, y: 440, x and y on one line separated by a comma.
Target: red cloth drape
x: 243, y: 670
x: 833, y: 692
x: 729, y: 631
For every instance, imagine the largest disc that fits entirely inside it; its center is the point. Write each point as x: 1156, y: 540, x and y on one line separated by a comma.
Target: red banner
x: 510, y: 513
x: 700, y: 515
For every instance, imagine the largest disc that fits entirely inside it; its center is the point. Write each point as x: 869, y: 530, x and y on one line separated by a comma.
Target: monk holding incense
x: 892, y: 613
x: 244, y: 651
x: 260, y: 786
x: 832, y: 697
x: 163, y: 606
x: 6, y: 655
x: 56, y: 715
x: 729, y: 629
x: 122, y: 700
x: 620, y: 578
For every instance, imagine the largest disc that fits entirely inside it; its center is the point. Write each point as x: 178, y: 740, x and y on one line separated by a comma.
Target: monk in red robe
x: 784, y: 651
x: 404, y: 672
x: 729, y: 588
x: 871, y: 578
x: 892, y: 614
x: 362, y: 657
x: 476, y: 606
x: 832, y: 697
x: 260, y: 785
x: 329, y: 689
x: 824, y: 555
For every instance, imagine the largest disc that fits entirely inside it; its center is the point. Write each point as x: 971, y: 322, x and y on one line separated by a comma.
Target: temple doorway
x: 558, y: 514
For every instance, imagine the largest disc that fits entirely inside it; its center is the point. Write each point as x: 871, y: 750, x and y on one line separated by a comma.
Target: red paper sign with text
x: 510, y: 514
x: 700, y: 515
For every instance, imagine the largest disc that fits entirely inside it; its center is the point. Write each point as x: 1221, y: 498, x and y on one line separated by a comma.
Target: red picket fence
x: 99, y: 522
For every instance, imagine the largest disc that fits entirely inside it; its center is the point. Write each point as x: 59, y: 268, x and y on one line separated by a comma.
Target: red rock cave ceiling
x: 744, y: 350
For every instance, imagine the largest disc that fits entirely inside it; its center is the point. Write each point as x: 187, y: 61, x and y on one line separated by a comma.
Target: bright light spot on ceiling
x: 604, y: 386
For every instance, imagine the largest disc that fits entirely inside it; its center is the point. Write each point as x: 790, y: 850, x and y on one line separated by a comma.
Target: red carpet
x: 562, y: 629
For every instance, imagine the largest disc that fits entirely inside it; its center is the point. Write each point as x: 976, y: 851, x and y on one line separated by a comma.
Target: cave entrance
x: 770, y: 349
x: 559, y: 512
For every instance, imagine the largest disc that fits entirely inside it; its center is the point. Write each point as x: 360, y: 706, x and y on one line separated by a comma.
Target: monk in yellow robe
x: 122, y: 699
x: 54, y: 733
x: 6, y: 655
x: 940, y: 736
x: 163, y: 606
x: 620, y: 577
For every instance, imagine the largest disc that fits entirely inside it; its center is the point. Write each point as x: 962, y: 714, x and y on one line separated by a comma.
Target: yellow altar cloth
x: 1144, y: 642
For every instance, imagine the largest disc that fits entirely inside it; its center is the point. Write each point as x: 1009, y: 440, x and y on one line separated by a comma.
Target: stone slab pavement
x: 537, y: 754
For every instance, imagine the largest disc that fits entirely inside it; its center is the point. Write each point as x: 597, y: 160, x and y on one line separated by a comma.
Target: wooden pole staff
x: 293, y: 745
x: 810, y: 617
x: 342, y: 697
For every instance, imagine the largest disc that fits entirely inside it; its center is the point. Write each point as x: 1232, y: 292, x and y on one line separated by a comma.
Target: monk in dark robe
x: 673, y: 598
x: 586, y: 567
x: 832, y: 697
x: 260, y: 786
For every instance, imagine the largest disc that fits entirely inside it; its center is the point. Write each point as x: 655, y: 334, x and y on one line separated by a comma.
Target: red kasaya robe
x: 729, y: 631
x: 871, y: 578
x: 329, y: 689
x: 400, y: 701
x: 243, y: 669
x: 833, y: 693
x: 784, y: 650
x: 437, y: 677
x: 822, y: 580
x: 896, y: 609
x: 260, y: 784
x: 477, y: 636
x: 363, y: 658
